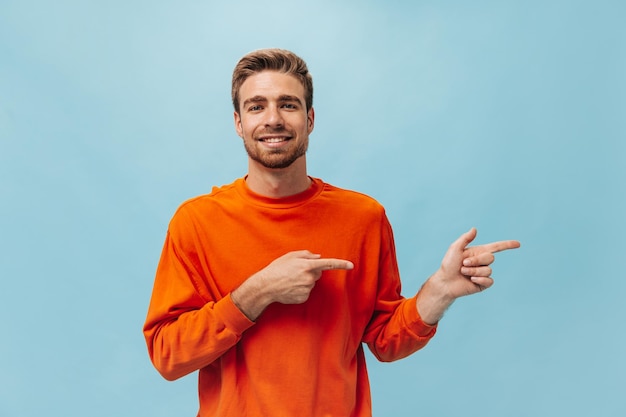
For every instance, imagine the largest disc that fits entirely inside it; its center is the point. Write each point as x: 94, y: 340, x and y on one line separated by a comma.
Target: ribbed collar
x: 317, y: 186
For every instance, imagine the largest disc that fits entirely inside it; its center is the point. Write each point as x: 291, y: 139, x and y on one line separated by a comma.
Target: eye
x: 254, y: 108
x: 290, y: 106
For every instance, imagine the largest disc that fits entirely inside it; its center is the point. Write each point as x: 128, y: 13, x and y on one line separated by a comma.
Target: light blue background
x: 504, y: 115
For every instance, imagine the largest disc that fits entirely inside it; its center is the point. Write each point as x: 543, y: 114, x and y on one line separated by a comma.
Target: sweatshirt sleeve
x: 188, y: 325
x: 396, y: 329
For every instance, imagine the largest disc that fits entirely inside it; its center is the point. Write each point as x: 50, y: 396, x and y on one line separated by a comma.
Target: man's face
x: 272, y: 119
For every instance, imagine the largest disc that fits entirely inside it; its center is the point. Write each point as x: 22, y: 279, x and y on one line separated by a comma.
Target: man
x: 270, y: 286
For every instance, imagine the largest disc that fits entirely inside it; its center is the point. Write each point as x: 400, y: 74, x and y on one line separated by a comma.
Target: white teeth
x: 273, y: 140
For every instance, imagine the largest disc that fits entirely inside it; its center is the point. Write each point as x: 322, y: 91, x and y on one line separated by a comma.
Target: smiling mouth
x: 274, y: 140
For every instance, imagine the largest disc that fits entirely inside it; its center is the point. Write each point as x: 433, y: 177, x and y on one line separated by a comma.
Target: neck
x: 278, y: 183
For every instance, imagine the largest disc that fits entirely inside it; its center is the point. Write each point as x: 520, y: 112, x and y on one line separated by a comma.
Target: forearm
x: 194, y: 339
x: 251, y: 297
x: 433, y: 299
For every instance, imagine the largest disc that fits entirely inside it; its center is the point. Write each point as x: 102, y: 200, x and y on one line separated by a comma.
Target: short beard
x: 277, y: 159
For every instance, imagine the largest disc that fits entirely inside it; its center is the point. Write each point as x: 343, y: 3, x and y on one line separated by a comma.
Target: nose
x: 273, y: 117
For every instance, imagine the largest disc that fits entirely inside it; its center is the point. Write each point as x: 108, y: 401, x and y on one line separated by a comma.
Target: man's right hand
x: 287, y: 280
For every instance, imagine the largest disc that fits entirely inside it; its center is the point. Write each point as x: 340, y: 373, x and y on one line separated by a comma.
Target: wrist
x: 433, y: 299
x: 437, y: 288
x: 250, y: 298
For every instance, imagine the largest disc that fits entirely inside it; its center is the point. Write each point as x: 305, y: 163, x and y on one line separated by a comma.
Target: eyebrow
x: 255, y: 99
x: 286, y: 97
x: 281, y: 98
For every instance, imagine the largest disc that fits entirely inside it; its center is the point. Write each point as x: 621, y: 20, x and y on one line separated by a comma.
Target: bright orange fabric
x: 303, y: 360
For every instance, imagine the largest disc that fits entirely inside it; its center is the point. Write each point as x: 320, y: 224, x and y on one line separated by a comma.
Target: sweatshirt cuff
x: 233, y: 318
x: 415, y: 322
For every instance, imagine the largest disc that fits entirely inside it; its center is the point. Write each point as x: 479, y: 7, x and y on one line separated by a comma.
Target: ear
x: 238, y: 126
x: 310, y: 119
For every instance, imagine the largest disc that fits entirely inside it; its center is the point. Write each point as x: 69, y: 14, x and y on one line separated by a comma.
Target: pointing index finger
x: 494, y: 247
x: 325, y: 264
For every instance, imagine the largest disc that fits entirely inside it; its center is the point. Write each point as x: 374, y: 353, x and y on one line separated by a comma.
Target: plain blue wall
x: 504, y: 115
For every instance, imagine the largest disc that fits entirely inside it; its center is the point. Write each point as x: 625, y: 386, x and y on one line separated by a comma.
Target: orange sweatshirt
x: 304, y: 360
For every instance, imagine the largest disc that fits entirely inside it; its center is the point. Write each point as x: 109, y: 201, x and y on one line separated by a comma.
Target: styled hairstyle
x: 273, y: 59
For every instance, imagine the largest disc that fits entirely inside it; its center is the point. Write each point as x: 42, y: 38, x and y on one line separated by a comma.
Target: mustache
x: 273, y: 131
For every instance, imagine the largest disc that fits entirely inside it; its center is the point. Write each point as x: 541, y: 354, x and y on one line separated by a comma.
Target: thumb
x: 466, y: 238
